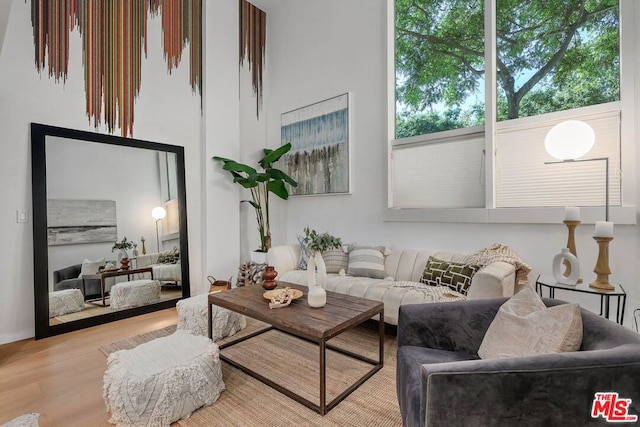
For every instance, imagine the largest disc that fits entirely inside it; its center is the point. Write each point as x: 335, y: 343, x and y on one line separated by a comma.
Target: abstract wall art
x: 72, y: 222
x: 114, y: 42
x: 319, y: 156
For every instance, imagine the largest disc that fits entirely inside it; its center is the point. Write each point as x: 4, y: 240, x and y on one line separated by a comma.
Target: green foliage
x: 320, y: 242
x: 268, y: 180
x: 421, y: 124
x: 123, y: 244
x: 552, y: 55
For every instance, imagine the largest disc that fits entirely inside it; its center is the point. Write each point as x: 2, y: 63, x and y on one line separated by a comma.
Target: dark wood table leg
x: 209, y: 315
x: 102, y: 291
x: 323, y: 377
x: 381, y: 338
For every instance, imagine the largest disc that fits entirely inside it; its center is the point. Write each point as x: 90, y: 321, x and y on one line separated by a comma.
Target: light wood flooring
x: 61, y: 377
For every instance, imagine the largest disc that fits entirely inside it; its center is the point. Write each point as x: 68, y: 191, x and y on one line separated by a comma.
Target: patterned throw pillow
x: 304, y: 254
x: 335, y: 260
x: 250, y: 273
x: 524, y: 326
x: 169, y: 257
x: 455, y: 275
x: 367, y: 261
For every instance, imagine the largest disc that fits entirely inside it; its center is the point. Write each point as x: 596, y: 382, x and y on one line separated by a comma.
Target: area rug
x: 27, y: 420
x: 293, y: 363
x: 131, y: 342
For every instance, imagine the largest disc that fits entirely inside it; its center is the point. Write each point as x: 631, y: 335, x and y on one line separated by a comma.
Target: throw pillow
x: 335, y: 260
x: 169, y: 257
x: 524, y: 326
x: 250, y: 273
x: 304, y: 253
x: 456, y: 276
x: 90, y: 267
x: 367, y: 261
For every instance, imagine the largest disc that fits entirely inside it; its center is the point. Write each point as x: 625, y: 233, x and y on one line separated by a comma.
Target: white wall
x: 317, y: 50
x: 166, y: 111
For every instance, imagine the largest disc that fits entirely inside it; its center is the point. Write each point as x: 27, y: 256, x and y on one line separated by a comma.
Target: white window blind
x: 439, y: 174
x: 524, y: 180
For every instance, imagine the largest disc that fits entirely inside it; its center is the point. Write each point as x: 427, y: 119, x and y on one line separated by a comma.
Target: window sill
x: 623, y: 215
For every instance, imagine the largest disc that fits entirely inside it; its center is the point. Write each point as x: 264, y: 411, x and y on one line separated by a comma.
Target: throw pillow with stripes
x: 367, y: 261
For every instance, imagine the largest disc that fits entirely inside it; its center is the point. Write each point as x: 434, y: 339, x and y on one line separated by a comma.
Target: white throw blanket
x: 496, y: 253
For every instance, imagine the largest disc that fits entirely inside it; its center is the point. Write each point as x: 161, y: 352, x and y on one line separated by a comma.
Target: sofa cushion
x: 90, y: 267
x: 367, y: 261
x: 304, y: 253
x: 336, y: 260
x: 169, y: 257
x: 457, y: 276
x: 524, y: 326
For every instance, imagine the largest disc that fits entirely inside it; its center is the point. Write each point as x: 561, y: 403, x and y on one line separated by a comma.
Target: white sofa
x: 404, y: 268
x: 162, y: 272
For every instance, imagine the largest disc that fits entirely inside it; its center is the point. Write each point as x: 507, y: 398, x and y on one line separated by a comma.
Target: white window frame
x: 629, y: 72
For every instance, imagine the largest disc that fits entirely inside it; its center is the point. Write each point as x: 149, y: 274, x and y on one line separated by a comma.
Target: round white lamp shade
x: 569, y: 140
x: 158, y: 213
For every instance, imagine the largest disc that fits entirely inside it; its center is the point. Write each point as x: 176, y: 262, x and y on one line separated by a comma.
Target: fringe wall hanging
x: 114, y: 38
x: 253, y: 40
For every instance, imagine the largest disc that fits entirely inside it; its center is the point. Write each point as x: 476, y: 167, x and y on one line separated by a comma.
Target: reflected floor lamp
x: 158, y: 213
x: 568, y: 141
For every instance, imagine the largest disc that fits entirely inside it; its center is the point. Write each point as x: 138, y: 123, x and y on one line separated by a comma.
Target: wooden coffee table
x: 317, y: 325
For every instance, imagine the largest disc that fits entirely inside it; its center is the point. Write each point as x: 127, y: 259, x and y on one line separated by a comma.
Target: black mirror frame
x: 39, y: 132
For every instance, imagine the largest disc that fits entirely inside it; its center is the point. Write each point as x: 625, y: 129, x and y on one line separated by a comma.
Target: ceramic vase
x: 571, y: 279
x: 268, y: 278
x: 317, y: 296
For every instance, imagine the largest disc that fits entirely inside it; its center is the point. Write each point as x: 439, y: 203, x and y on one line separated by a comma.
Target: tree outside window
x: 551, y: 55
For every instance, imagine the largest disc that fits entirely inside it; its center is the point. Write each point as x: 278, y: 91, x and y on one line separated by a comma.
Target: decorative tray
x: 275, y: 293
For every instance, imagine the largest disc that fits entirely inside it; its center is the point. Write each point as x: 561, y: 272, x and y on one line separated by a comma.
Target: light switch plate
x: 22, y: 216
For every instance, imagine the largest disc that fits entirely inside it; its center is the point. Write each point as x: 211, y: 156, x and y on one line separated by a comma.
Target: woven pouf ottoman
x: 162, y: 381
x: 192, y: 316
x: 65, y: 302
x: 134, y: 293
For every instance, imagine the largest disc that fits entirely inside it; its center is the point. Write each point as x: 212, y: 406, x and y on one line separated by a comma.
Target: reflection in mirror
x: 104, y: 256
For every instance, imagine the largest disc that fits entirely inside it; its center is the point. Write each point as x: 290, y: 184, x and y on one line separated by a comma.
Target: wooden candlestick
x: 602, y: 265
x: 571, y: 244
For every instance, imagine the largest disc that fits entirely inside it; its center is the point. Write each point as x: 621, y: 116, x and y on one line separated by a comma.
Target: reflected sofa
x: 163, y: 271
x: 441, y: 381
x: 67, y: 278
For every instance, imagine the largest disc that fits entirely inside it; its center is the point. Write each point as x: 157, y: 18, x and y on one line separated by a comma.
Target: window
x: 503, y: 88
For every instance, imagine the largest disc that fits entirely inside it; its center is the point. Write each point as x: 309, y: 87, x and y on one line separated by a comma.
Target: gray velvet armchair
x: 441, y: 381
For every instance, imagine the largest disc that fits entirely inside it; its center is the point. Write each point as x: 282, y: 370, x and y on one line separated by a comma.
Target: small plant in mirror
x: 123, y: 244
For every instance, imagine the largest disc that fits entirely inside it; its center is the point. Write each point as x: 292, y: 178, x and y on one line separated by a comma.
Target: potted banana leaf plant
x: 267, y: 179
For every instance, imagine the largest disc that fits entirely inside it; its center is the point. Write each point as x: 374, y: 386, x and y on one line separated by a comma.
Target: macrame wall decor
x: 114, y: 38
x: 253, y: 40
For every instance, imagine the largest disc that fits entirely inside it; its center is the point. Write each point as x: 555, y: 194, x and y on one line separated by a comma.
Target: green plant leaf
x: 238, y: 167
x: 271, y: 156
x: 278, y: 188
x: 278, y: 174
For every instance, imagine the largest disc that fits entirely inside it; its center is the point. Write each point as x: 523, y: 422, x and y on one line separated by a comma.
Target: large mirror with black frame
x: 109, y: 228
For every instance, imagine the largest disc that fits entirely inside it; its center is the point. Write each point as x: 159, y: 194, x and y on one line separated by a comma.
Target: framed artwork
x: 71, y: 222
x: 319, y: 156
